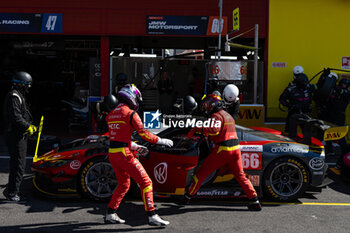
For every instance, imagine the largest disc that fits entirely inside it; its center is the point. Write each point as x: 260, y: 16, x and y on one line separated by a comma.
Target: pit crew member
x: 121, y: 122
x: 225, y: 151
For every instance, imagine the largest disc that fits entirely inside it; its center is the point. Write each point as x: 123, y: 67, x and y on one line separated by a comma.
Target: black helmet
x: 211, y: 104
x: 22, y: 78
x: 190, y: 104
x: 110, y: 102
x: 22, y: 81
x: 301, y: 80
x: 344, y: 83
x: 121, y: 79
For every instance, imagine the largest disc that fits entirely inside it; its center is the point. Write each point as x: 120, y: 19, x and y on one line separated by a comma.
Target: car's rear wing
x: 311, y: 127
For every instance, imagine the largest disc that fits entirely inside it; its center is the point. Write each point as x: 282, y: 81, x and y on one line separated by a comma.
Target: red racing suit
x: 121, y: 122
x: 225, y: 152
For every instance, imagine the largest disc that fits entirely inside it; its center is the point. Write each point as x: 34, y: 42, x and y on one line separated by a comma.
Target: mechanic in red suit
x: 225, y: 150
x: 121, y: 123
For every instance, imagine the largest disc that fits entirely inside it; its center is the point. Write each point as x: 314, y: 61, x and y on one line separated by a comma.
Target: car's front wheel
x: 285, y: 179
x: 97, y: 179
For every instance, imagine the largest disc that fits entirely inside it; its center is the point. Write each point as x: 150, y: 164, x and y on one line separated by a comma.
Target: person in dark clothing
x: 334, y: 112
x: 18, y: 126
x: 337, y: 103
x: 298, y: 98
x: 165, y: 88
x: 231, y: 100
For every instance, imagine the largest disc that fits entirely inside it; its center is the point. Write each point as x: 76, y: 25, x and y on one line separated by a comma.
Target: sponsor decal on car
x: 214, y: 192
x: 237, y: 194
x: 254, y: 179
x: 254, y: 148
x: 316, y: 163
x: 75, y: 164
x: 287, y: 148
x: 161, y: 172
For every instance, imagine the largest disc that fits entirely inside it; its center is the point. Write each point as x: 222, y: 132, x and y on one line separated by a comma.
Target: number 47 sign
x: 52, y: 23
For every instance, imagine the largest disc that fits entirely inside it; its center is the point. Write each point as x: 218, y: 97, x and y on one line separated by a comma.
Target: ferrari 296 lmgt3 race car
x: 279, y: 167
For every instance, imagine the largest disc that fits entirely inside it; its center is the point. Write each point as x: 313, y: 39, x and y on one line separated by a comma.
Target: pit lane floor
x: 328, y: 211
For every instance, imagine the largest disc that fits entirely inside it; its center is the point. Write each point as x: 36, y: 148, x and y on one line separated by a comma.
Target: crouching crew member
x: 121, y: 123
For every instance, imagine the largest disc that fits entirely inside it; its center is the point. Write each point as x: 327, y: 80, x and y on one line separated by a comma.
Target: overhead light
x: 121, y: 54
x: 245, y: 57
x: 224, y: 57
x: 249, y: 52
x: 142, y: 55
x: 111, y: 53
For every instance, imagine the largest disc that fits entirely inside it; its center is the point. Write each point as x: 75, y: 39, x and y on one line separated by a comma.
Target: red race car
x: 279, y: 167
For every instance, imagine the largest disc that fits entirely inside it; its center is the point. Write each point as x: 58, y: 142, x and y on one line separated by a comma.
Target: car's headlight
x: 54, y: 163
x: 57, y: 163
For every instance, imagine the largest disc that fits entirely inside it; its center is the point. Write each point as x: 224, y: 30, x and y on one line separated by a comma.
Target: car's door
x: 168, y: 167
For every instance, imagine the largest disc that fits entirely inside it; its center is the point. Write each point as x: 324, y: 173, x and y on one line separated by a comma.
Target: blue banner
x: 29, y: 22
x: 176, y: 25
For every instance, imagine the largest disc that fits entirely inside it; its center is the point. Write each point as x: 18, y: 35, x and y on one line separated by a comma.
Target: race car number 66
x: 252, y: 161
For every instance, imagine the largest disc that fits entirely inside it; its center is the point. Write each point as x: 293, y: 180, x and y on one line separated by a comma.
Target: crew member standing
x: 298, y: 97
x: 18, y: 126
x: 231, y: 100
x: 225, y: 152
x: 121, y: 123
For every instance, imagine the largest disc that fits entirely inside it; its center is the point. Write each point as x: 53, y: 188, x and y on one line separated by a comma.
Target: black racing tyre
x: 97, y: 179
x: 285, y: 179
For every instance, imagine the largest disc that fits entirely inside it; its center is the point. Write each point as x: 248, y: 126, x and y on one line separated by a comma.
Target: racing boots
x: 13, y: 197
x: 254, y: 204
x: 155, y: 220
x: 185, y: 200
x: 112, y: 217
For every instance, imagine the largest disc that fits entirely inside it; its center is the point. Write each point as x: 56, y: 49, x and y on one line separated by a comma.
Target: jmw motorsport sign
x: 185, y: 25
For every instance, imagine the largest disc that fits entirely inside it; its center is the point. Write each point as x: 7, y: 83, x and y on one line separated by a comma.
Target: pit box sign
x: 31, y: 22
x: 185, y: 25
x: 228, y: 70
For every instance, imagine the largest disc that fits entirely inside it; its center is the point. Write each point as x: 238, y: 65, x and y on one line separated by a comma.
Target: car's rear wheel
x: 97, y: 179
x: 285, y: 179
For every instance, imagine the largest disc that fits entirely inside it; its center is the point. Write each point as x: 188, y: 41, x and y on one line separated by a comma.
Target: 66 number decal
x: 252, y: 161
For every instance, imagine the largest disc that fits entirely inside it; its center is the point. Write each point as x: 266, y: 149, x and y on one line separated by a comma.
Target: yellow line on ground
x: 306, y: 203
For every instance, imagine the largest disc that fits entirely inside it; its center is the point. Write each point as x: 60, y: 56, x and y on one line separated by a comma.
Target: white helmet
x: 332, y: 74
x: 298, y: 70
x: 230, y: 93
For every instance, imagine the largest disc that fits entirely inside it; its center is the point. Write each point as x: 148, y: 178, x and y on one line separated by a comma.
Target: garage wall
x: 106, y: 17
x: 313, y: 34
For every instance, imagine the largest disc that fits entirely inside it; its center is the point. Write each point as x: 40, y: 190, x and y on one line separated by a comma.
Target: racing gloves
x: 31, y: 130
x: 193, y: 132
x: 165, y: 142
x: 142, y: 150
